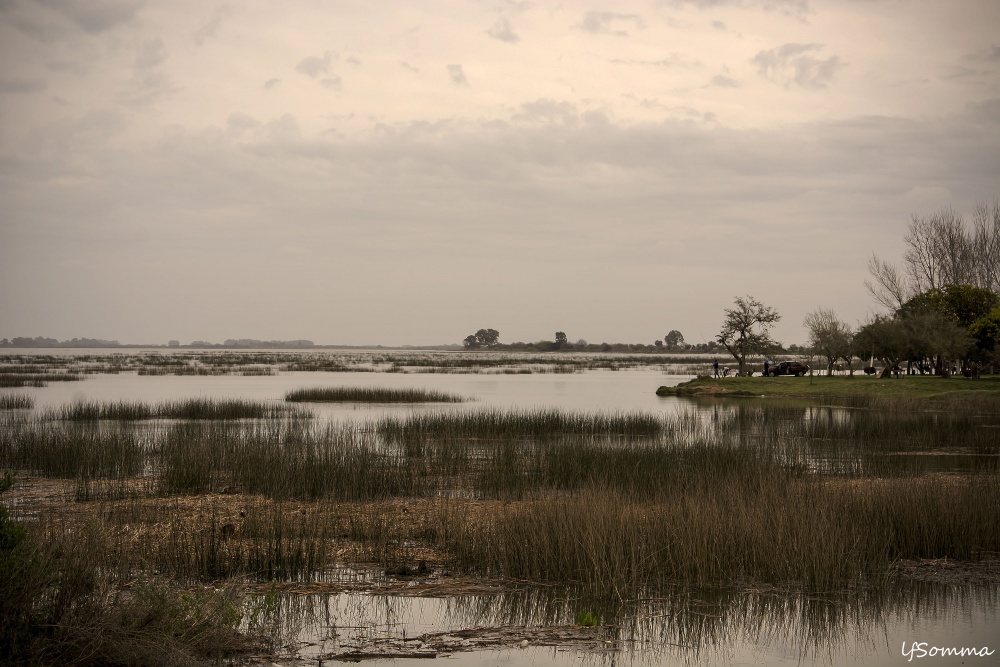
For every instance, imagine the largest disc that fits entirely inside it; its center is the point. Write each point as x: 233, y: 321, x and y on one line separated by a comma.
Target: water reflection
x: 696, y: 627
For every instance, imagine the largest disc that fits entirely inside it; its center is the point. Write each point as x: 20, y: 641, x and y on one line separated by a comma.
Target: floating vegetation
x: 370, y: 395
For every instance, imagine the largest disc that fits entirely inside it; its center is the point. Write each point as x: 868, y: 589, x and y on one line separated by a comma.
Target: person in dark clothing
x: 715, y: 367
x: 767, y: 364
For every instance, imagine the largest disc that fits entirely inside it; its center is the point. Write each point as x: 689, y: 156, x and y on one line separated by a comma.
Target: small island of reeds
x: 370, y: 395
x: 210, y: 409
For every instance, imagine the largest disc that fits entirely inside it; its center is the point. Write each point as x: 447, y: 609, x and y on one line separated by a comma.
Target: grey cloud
x: 605, y: 22
x: 457, y: 75
x: 791, y: 7
x: 502, y: 31
x: 151, y: 54
x: 314, y: 67
x: 958, y: 72
x: 20, y: 85
x: 673, y: 60
x: 994, y: 53
x: 146, y: 88
x: 795, y: 64
x: 718, y: 25
x: 548, y: 111
x: 986, y: 112
x: 271, y: 83
x: 76, y: 66
x: 331, y: 82
x: 238, y: 122
x: 725, y: 82
x: 213, y: 24
x: 522, y: 202
x: 95, y: 16
x: 406, y: 65
x: 285, y: 128
x: 351, y: 60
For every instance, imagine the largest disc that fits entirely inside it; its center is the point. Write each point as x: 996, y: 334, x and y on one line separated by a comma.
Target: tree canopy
x: 746, y: 329
x: 674, y: 339
x: 828, y: 336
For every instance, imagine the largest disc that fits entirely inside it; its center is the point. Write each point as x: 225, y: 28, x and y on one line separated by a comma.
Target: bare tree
x: 746, y: 329
x: 986, y: 245
x: 941, y: 251
x: 828, y: 336
x: 888, y: 285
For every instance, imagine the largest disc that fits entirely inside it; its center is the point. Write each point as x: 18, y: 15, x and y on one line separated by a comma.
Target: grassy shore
x: 837, y: 386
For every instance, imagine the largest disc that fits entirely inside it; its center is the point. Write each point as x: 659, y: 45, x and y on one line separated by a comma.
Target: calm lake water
x: 871, y: 634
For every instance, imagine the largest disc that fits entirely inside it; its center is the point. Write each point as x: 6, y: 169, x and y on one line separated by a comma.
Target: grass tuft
x: 12, y: 401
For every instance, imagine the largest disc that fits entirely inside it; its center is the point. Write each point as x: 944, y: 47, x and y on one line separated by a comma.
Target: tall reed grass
x: 370, y: 395
x: 807, y: 534
x: 191, y: 409
x: 497, y: 424
x: 618, y: 504
x: 12, y: 401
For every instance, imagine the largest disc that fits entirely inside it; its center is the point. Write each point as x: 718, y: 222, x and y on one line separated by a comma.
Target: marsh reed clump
x: 805, y: 535
x: 14, y: 401
x: 784, y: 494
x: 36, y: 379
x: 75, y: 450
x: 371, y: 395
x: 187, y: 409
x: 69, y: 599
x: 497, y: 424
x: 290, y: 458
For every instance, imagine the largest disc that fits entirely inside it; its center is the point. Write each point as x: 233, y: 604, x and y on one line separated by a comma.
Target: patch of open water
x: 749, y: 629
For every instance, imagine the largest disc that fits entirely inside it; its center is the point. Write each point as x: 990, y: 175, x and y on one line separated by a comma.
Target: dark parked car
x: 788, y: 368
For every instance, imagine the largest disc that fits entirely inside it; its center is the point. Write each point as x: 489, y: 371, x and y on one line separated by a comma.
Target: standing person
x: 767, y: 364
x: 715, y: 367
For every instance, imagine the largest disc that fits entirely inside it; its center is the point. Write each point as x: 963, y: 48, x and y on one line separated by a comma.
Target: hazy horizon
x: 405, y: 174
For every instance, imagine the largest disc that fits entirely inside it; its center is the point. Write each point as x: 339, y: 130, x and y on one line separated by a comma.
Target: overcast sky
x: 402, y: 172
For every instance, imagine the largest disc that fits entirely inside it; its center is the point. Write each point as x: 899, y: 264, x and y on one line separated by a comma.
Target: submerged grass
x: 371, y: 395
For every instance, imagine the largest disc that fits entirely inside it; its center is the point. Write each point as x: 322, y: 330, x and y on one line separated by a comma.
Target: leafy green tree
x: 887, y: 340
x: 488, y: 337
x: 470, y: 342
x: 962, y: 303
x: 931, y: 334
x: 986, y: 332
x: 746, y: 329
x: 674, y: 339
x: 561, y: 338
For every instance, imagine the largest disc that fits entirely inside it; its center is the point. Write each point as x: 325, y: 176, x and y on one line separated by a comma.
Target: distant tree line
x: 673, y: 342
x: 41, y: 341
x: 251, y: 342
x: 943, y: 310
